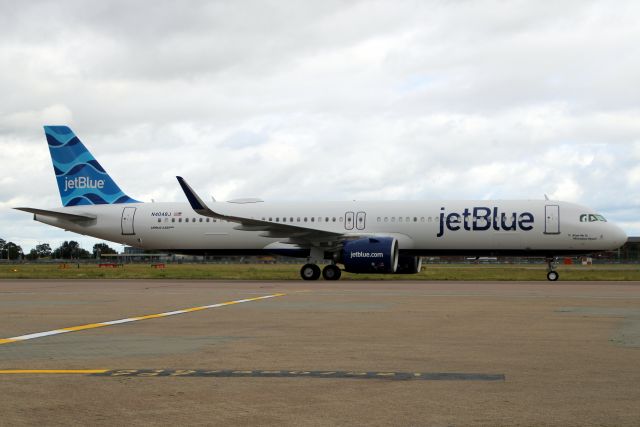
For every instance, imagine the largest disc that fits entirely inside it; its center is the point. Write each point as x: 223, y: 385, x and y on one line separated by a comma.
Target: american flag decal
x: 177, y: 214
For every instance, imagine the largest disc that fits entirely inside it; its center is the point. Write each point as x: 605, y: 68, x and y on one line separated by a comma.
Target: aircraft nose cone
x: 618, y: 236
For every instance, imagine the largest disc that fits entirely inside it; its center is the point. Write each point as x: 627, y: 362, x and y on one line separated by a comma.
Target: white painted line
x: 38, y: 335
x: 129, y: 319
x: 117, y: 322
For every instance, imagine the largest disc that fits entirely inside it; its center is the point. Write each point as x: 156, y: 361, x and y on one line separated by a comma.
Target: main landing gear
x: 552, y: 274
x: 312, y: 272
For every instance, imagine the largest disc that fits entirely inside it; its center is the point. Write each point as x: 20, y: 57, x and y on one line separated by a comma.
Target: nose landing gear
x: 552, y: 274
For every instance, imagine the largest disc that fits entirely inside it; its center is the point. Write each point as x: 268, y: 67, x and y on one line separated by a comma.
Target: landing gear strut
x: 552, y: 274
x: 310, y: 272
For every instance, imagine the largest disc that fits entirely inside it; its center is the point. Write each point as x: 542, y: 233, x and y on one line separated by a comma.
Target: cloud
x: 329, y: 100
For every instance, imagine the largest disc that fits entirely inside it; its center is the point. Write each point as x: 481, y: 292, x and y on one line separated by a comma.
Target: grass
x: 291, y: 272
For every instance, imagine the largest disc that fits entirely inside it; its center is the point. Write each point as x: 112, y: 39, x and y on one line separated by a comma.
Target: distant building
x: 630, y: 251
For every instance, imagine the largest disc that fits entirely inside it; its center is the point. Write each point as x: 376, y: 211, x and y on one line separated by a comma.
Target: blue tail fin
x: 81, y: 179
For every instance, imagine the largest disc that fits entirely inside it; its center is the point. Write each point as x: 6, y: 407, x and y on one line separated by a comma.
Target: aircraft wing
x: 61, y: 215
x: 293, y: 234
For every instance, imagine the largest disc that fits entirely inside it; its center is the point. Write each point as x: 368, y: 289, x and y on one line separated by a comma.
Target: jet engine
x: 370, y: 255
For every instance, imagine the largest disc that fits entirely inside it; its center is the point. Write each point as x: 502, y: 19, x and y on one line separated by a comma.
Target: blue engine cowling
x: 370, y: 255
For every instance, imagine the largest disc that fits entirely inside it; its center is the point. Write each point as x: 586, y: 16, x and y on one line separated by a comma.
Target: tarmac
x: 151, y: 352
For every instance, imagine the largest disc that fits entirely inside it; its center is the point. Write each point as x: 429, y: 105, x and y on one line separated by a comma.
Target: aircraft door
x: 360, y: 220
x: 127, y: 221
x: 552, y: 219
x: 348, y: 221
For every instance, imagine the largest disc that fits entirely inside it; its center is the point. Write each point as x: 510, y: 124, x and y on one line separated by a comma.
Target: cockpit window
x: 592, y: 218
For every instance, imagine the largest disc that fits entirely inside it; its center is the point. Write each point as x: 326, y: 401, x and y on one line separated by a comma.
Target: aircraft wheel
x: 310, y: 272
x: 552, y: 276
x: 331, y: 272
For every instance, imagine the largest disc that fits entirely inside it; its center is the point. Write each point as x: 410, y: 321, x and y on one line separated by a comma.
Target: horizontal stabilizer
x: 62, y: 215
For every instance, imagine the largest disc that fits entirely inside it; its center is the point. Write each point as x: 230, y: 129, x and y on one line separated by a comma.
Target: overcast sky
x: 294, y: 100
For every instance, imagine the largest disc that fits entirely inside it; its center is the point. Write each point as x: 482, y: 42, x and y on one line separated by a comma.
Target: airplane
x: 380, y: 237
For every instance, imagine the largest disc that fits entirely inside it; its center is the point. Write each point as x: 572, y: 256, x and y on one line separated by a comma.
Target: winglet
x: 196, y: 202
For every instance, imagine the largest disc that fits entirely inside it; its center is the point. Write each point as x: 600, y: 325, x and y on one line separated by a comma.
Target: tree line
x: 67, y: 250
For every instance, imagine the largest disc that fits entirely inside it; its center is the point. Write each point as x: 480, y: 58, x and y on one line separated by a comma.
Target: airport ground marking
x: 53, y: 371
x: 130, y: 319
x: 260, y: 373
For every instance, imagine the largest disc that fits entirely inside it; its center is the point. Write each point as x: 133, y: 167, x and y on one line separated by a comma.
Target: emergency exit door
x: 348, y: 220
x: 360, y: 220
x: 552, y: 219
x: 127, y: 221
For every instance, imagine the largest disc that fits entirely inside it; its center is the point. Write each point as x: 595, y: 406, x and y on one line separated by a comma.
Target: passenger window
x: 333, y: 219
x: 270, y: 219
x: 429, y: 219
x: 277, y: 219
x: 326, y: 219
x: 291, y: 219
x: 386, y: 219
x: 399, y: 219
x: 159, y: 219
x: 173, y: 220
x: 415, y: 219
x: 284, y: 219
x: 312, y: 219
x: 393, y: 219
x: 421, y: 219
x: 340, y: 219
x: 305, y: 219
x: 186, y: 220
x: 179, y: 219
x: 379, y: 219
x: 208, y: 219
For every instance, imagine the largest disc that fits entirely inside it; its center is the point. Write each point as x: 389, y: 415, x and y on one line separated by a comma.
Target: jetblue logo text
x: 484, y: 218
x: 360, y: 254
x: 82, y: 182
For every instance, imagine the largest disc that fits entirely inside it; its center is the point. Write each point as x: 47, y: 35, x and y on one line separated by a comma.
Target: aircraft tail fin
x: 81, y: 179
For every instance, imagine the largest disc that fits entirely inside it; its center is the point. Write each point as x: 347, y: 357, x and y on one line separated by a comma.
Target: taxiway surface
x: 324, y: 353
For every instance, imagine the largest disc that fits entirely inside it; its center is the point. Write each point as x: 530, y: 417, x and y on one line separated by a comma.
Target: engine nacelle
x: 370, y: 255
x: 409, y: 264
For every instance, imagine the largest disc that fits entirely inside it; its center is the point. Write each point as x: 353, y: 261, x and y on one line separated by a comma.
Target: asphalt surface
x: 324, y: 353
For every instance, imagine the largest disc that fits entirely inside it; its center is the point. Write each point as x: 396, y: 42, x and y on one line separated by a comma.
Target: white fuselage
x: 537, y: 228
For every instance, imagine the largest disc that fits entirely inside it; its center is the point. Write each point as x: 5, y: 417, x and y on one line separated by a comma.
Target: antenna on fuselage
x: 546, y: 197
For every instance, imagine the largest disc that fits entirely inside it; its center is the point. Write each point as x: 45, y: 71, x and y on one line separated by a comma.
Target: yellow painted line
x: 83, y: 327
x: 129, y: 320
x: 52, y: 371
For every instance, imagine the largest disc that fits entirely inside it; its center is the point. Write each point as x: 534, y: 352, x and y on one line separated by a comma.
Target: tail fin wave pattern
x: 81, y: 179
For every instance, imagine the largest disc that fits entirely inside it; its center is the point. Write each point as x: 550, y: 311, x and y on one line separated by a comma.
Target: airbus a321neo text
x: 382, y: 237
